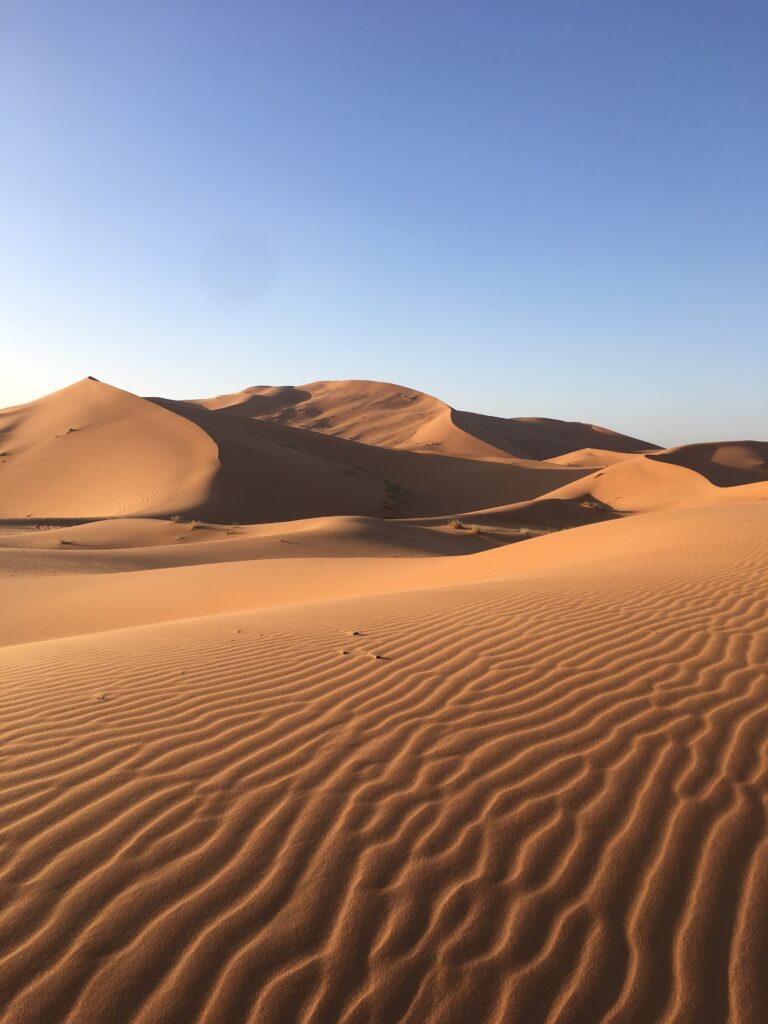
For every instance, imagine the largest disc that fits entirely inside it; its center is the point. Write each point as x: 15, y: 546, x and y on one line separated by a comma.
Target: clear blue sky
x: 544, y: 207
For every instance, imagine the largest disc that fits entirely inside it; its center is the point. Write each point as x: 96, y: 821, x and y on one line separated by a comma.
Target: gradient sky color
x: 544, y: 207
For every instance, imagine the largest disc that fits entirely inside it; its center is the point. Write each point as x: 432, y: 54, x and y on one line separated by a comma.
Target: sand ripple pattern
x: 544, y: 802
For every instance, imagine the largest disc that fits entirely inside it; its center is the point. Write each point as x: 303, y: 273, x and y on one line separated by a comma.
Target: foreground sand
x: 524, y: 785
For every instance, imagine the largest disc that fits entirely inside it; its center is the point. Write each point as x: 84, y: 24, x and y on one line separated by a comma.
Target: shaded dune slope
x: 93, y: 451
x: 541, y: 438
x: 391, y: 416
x: 723, y: 463
x: 691, y: 476
x: 373, y: 413
x: 532, y: 799
x: 543, y: 513
x: 270, y: 471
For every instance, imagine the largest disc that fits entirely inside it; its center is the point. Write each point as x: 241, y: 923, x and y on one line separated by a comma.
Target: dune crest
x: 725, y: 464
x: 92, y: 450
x: 391, y: 416
x: 691, y: 476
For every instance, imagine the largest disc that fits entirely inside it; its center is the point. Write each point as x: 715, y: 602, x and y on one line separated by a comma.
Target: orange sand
x: 377, y: 768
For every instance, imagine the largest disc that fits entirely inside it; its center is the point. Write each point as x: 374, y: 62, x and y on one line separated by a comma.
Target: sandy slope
x: 94, y: 450
x: 270, y: 471
x: 724, y: 463
x: 47, y: 597
x: 322, y: 770
x: 91, y: 451
x: 691, y: 476
x: 128, y: 545
x: 590, y: 458
x: 391, y: 416
x: 533, y: 793
x: 371, y: 412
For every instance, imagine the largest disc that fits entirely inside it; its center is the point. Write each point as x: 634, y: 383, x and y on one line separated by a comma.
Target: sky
x: 526, y: 208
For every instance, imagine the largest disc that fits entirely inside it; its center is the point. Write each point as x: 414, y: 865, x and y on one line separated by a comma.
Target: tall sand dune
x: 91, y: 451
x: 391, y: 416
x: 270, y: 471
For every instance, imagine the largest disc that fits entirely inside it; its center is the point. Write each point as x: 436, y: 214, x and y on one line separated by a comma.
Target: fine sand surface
x: 92, y: 451
x: 391, y: 416
x: 504, y: 766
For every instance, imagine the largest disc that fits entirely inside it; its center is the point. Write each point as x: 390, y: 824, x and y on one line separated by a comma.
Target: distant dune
x: 334, y: 704
x: 391, y: 416
x: 686, y: 477
x: 92, y: 451
x: 725, y: 464
x: 590, y: 458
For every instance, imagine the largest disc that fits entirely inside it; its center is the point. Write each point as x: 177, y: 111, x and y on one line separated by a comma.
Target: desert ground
x: 333, y: 703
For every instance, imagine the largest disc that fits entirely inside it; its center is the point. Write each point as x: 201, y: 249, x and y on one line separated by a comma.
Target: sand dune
x: 539, y: 796
x: 92, y: 451
x: 685, y: 477
x: 590, y: 458
x: 367, y: 757
x: 391, y: 416
x: 270, y: 471
x: 370, y: 412
x: 49, y: 598
x: 127, y: 545
x: 726, y: 464
x: 542, y: 438
x: 691, y: 476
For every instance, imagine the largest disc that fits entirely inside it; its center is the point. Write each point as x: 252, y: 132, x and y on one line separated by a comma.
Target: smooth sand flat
x: 533, y: 792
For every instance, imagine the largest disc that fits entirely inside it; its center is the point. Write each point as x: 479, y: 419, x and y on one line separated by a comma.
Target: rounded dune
x: 391, y: 416
x: 92, y: 450
x: 723, y: 463
x: 591, y: 458
x: 675, y: 478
